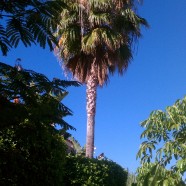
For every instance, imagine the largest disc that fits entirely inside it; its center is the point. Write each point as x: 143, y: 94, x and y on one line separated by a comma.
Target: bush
x: 81, y: 171
x: 31, y: 154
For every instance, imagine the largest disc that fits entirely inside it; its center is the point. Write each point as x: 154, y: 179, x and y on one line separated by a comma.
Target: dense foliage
x: 31, y: 154
x: 32, y: 150
x: 165, y: 136
x: 30, y: 21
x: 81, y: 171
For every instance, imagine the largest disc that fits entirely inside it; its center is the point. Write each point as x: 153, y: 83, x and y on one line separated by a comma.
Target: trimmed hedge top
x: 81, y: 171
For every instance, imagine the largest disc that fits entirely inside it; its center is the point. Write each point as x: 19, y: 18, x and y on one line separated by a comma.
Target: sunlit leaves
x: 101, y: 36
x: 156, y: 175
x: 167, y: 132
x: 69, y: 43
x: 101, y: 4
x: 99, y: 18
x: 89, y: 172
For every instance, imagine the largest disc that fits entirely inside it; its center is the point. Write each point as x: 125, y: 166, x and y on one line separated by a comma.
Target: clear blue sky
x: 155, y: 79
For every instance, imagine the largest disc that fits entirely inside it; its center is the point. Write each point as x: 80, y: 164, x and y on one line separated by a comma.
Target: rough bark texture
x: 91, y: 111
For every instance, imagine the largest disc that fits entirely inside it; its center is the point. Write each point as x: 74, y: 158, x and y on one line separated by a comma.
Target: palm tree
x: 96, y: 39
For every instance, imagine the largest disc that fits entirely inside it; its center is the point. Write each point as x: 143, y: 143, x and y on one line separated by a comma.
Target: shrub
x: 81, y: 171
x: 31, y: 154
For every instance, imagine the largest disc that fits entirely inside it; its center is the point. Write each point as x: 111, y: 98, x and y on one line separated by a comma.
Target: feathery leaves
x: 36, y: 94
x: 30, y: 21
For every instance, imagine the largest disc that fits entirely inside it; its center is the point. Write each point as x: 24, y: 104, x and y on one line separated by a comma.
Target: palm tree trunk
x: 91, y: 111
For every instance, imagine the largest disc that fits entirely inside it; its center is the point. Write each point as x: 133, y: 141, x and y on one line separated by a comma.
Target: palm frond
x: 133, y: 22
x: 80, y: 65
x: 99, y: 18
x: 100, y: 4
x: 69, y: 42
x: 124, y: 54
x: 101, y: 36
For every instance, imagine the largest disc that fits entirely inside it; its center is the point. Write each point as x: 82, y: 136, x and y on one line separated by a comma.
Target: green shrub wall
x: 81, y: 171
x: 31, y: 155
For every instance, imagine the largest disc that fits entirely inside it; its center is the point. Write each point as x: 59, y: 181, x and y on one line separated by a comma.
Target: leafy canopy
x: 31, y: 21
x: 165, y: 133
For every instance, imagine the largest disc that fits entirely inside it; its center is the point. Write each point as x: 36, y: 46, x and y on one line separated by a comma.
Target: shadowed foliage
x: 30, y: 21
x: 32, y: 150
x: 33, y: 90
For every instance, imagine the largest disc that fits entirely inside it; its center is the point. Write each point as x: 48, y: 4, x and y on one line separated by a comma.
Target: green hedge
x: 31, y: 155
x: 81, y: 171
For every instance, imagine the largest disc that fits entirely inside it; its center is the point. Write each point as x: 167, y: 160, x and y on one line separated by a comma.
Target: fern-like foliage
x: 39, y: 98
x: 31, y: 21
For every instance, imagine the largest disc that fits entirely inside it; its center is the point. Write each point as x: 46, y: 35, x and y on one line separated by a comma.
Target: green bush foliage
x: 163, y: 152
x: 81, y: 171
x: 31, y: 154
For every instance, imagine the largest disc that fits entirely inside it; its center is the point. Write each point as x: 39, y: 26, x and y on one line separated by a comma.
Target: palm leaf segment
x: 99, y: 33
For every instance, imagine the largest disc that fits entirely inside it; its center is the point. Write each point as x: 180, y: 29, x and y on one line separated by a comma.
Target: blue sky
x: 155, y: 79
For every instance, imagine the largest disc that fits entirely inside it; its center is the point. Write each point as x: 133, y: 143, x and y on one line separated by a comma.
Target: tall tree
x: 96, y: 39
